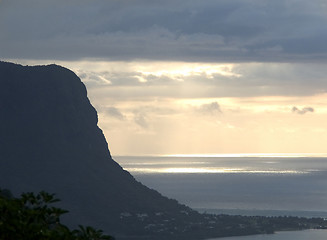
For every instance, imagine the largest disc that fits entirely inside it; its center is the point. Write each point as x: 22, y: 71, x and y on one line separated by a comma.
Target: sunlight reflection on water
x: 243, y: 183
x: 228, y: 164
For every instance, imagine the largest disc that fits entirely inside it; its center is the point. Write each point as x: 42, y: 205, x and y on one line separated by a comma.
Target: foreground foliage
x: 32, y: 217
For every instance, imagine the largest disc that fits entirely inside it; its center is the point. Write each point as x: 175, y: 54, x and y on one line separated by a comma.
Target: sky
x: 186, y: 76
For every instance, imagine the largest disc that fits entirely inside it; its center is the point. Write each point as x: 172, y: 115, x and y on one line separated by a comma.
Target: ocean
x: 291, y: 235
x: 243, y: 185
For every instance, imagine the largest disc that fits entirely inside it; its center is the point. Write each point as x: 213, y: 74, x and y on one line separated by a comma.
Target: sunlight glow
x: 177, y: 69
x: 260, y: 155
x: 175, y: 107
x: 210, y: 170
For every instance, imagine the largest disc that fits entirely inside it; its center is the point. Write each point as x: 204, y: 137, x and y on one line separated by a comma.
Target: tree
x: 31, y: 217
x: 89, y: 233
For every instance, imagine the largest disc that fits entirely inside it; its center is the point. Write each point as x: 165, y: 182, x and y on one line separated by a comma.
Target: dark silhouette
x: 49, y: 140
x: 33, y: 217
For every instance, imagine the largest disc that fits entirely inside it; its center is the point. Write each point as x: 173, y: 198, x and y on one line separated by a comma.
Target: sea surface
x: 243, y: 185
x: 291, y: 235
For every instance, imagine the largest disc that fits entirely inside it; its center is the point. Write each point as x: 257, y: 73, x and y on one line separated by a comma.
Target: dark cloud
x: 208, y: 30
x: 303, y: 110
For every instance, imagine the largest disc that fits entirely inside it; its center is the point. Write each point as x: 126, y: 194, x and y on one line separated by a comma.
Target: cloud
x: 182, y: 30
x: 94, y: 79
x: 210, y: 108
x: 210, y: 80
x: 114, y: 112
x: 303, y: 111
x: 140, y: 120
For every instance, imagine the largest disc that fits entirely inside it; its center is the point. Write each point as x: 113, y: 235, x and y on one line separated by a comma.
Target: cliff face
x: 44, y: 112
x: 49, y: 140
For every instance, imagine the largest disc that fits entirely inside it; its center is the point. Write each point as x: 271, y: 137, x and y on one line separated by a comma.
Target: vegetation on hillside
x: 32, y: 217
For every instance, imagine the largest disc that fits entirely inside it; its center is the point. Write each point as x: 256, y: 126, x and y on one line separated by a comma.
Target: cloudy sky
x: 186, y: 76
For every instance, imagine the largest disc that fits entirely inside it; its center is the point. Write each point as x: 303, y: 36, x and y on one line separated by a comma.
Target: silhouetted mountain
x: 49, y: 140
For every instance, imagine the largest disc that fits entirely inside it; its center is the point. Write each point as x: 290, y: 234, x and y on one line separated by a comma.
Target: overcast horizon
x: 186, y: 76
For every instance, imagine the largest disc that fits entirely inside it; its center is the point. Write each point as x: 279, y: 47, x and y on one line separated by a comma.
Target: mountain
x: 49, y: 140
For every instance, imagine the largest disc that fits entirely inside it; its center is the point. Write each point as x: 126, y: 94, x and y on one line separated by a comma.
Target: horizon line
x: 232, y: 155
